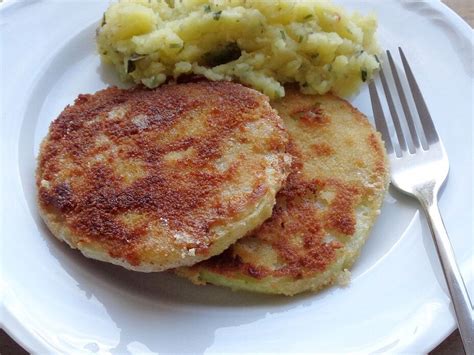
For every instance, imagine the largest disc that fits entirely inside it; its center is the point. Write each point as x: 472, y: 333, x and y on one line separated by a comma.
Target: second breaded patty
x: 155, y: 179
x: 324, y: 213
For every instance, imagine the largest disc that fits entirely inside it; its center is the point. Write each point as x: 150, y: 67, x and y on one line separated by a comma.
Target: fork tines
x: 406, y: 143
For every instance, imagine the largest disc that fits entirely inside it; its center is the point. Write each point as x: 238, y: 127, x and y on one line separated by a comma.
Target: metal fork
x: 419, y: 168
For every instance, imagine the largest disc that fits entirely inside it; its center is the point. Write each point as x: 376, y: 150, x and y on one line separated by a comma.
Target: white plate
x: 54, y: 300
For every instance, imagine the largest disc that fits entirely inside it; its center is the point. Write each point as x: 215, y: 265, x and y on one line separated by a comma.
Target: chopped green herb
x: 217, y: 15
x: 300, y: 39
x: 363, y: 75
x: 207, y: 8
x: 330, y: 67
x: 134, y: 57
x: 307, y: 17
x: 175, y: 45
x: 283, y: 35
x: 377, y: 58
x: 103, y: 21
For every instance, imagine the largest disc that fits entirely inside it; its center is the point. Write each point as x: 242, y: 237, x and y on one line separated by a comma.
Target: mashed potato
x: 261, y: 43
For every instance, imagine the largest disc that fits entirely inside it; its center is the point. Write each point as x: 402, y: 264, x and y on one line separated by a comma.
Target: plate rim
x: 28, y: 340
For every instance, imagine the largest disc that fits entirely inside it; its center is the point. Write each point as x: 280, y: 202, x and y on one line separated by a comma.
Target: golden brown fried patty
x: 323, y: 215
x: 157, y: 179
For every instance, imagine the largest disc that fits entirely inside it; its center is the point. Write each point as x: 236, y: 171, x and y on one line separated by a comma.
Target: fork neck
x: 427, y: 194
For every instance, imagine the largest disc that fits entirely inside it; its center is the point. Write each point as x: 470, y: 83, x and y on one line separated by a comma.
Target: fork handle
x: 457, y: 289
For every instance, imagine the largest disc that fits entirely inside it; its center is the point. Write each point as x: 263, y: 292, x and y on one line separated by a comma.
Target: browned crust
x: 311, y: 115
x: 322, y: 149
x: 89, y: 197
x: 296, y: 213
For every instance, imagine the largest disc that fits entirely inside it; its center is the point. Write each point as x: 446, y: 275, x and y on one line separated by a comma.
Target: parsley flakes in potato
x: 261, y: 43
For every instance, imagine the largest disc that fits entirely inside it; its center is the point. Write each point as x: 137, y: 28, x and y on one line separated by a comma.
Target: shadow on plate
x: 160, y: 311
x: 109, y: 76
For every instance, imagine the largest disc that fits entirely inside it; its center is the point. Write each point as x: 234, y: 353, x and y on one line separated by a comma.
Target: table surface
x: 450, y: 346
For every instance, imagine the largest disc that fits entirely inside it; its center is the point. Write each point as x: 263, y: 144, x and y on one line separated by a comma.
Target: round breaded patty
x: 156, y: 179
x: 324, y: 214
